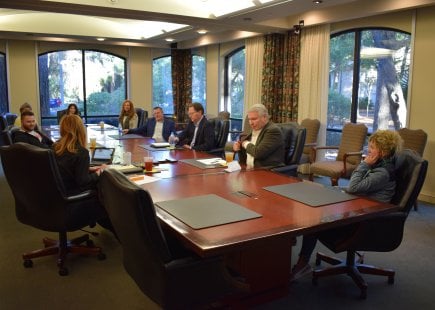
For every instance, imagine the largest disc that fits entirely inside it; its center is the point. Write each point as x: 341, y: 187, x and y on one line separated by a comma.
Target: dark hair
x: 27, y: 113
x: 197, y: 107
x: 158, y: 108
x: 73, y: 105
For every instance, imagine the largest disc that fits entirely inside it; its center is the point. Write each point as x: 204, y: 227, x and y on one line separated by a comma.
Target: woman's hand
x: 371, y: 159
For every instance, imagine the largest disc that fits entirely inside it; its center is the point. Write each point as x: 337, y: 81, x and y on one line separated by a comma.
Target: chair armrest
x: 316, y: 148
x: 349, y: 154
x: 83, y: 195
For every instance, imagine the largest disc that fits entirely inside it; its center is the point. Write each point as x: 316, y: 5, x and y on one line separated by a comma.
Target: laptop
x: 102, y: 155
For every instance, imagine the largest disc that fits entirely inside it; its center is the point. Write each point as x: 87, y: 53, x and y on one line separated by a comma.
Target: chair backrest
x: 410, y: 170
x: 414, y: 139
x: 5, y: 137
x: 352, y: 140
x: 36, y: 185
x: 221, y: 131
x: 294, y: 141
x: 10, y: 119
x: 142, y: 116
x: 60, y: 114
x: 3, y: 122
x: 131, y: 211
x: 313, y: 127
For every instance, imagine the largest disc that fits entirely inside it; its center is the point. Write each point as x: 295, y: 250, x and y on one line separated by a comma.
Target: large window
x: 3, y: 85
x: 93, y: 80
x: 162, y: 83
x: 368, y: 81
x: 234, y: 88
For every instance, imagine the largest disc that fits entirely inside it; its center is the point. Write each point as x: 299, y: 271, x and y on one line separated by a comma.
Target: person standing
x: 199, y: 133
x: 264, y: 146
x: 28, y: 133
x: 128, y: 117
x: 158, y: 127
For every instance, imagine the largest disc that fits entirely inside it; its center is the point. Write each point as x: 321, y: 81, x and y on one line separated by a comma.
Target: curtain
x: 313, y: 93
x: 254, y: 64
x: 280, y: 83
x: 181, y: 82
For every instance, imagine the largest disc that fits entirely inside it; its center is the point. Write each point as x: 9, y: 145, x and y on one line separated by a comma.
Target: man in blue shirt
x: 158, y: 127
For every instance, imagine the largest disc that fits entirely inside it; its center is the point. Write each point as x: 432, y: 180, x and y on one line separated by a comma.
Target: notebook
x: 102, y: 155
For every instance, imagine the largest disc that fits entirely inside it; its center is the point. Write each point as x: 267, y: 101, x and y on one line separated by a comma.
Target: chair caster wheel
x: 63, y: 271
x: 101, y: 256
x: 28, y: 263
x: 391, y: 280
x: 89, y: 243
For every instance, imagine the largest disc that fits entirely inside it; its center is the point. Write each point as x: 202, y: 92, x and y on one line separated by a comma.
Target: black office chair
x: 294, y: 141
x: 167, y: 273
x: 381, y: 234
x: 10, y: 119
x: 41, y: 202
x: 60, y: 114
x: 142, y: 116
x: 221, y: 131
x: 5, y: 137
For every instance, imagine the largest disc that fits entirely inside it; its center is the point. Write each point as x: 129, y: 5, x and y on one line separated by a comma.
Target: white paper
x: 142, y: 179
x: 233, y: 166
x: 212, y: 161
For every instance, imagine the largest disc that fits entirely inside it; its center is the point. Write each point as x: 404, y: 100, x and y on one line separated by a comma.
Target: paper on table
x: 142, y: 179
x: 233, y: 166
x: 213, y: 161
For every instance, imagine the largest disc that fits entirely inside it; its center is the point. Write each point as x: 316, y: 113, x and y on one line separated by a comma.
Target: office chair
x: 142, y: 116
x: 414, y: 139
x: 381, y: 234
x: 312, y: 126
x: 10, y: 119
x: 294, y: 142
x: 41, y: 202
x: 348, y: 157
x: 221, y: 131
x: 170, y: 275
x: 60, y: 114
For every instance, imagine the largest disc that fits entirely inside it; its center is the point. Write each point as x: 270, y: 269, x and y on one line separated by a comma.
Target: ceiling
x: 151, y: 22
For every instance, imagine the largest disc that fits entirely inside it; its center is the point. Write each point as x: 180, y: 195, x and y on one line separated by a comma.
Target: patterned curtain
x: 181, y: 82
x: 280, y: 81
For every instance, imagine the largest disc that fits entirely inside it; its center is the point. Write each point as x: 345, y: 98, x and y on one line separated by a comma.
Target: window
x: 93, y: 80
x: 4, y: 107
x: 368, y: 80
x: 234, y: 88
x: 162, y: 83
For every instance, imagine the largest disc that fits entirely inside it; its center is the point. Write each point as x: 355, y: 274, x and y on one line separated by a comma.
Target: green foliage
x: 338, y: 109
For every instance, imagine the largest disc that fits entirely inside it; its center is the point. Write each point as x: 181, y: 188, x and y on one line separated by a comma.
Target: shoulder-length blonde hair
x: 123, y: 113
x: 72, y: 134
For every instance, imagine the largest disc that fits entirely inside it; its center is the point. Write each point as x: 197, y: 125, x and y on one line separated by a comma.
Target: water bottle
x: 172, y: 140
x: 119, y: 130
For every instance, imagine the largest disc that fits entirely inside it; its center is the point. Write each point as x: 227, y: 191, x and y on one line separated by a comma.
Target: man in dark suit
x: 264, y: 146
x: 158, y: 127
x: 199, y: 133
x: 28, y: 132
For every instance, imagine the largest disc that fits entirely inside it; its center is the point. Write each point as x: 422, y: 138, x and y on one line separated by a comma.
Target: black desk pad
x: 309, y: 193
x: 206, y: 211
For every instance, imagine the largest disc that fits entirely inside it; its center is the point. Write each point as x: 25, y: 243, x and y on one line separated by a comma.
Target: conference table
x: 258, y: 249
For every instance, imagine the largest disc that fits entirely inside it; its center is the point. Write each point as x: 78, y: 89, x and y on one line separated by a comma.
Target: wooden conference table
x: 259, y: 249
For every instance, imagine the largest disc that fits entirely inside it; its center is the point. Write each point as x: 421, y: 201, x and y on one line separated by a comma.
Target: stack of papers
x: 213, y: 161
x: 126, y: 168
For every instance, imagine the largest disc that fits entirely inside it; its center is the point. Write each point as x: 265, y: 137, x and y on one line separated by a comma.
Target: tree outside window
x: 368, y: 81
x: 93, y: 80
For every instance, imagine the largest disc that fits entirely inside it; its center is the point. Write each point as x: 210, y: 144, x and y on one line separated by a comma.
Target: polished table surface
x: 258, y: 249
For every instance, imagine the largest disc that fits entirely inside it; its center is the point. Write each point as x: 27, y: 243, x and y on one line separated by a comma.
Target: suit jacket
x: 148, y: 129
x: 204, y: 137
x: 268, y: 150
x: 22, y: 136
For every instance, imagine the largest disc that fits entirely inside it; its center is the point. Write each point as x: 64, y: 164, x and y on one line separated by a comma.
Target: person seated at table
x: 374, y: 178
x: 72, y: 109
x: 73, y: 161
x: 28, y: 133
x: 199, y: 133
x: 128, y: 117
x: 264, y: 146
x: 158, y: 127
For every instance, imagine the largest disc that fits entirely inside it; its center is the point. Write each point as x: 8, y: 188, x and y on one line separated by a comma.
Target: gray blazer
x: 268, y: 151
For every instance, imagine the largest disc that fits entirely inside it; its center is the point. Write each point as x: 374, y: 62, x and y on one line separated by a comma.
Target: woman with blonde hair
x: 128, y: 117
x: 73, y: 161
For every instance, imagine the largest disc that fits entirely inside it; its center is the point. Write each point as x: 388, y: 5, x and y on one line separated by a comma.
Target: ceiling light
x: 202, y: 31
x: 317, y: 2
x: 169, y: 39
x: 101, y: 39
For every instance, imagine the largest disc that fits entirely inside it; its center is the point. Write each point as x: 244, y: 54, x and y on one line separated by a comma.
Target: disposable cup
x: 148, y: 163
x: 229, y: 156
x: 92, y: 143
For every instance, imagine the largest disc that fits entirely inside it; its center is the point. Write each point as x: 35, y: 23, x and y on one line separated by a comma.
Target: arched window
x: 95, y: 81
x: 234, y: 88
x: 368, y: 80
x: 162, y: 83
x: 4, y: 107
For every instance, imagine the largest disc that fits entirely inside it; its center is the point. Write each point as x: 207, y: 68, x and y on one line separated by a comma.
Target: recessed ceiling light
x: 317, y: 1
x: 202, y: 31
x: 101, y: 39
x: 169, y: 39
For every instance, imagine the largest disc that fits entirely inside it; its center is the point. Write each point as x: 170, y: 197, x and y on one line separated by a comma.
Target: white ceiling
x: 150, y: 22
